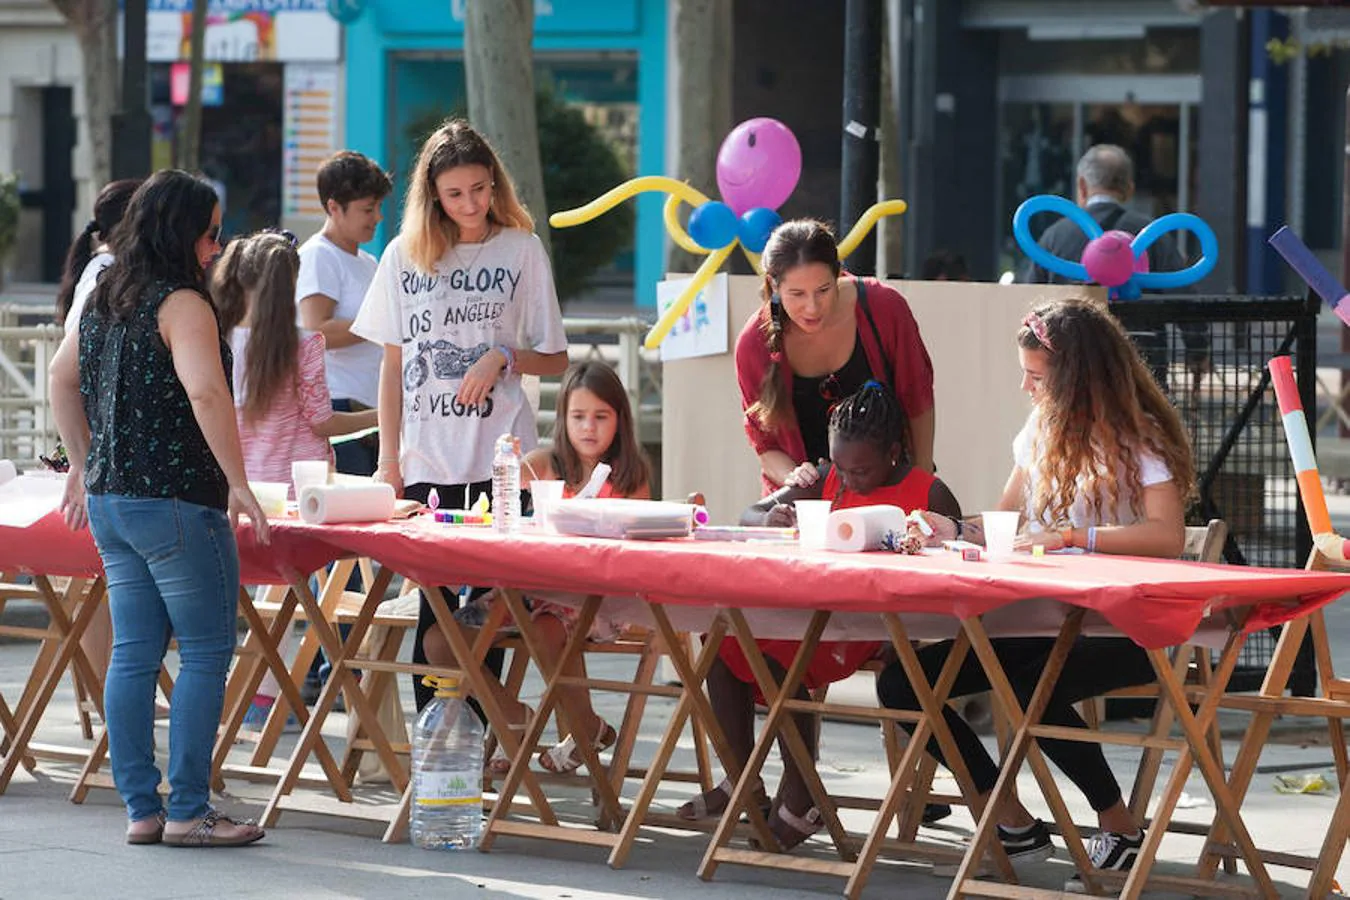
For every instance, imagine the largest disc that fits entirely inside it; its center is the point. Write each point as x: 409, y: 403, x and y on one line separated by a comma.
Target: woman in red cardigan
x: 819, y: 336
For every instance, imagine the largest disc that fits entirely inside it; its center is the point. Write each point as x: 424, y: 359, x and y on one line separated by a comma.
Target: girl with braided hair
x: 870, y: 465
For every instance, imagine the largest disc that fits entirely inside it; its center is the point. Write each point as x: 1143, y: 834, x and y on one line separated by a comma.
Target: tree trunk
x: 95, y: 25
x: 703, y: 81
x: 190, y: 138
x: 498, y: 54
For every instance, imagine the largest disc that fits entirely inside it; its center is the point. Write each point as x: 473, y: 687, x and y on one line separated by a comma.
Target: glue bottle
x: 506, y: 484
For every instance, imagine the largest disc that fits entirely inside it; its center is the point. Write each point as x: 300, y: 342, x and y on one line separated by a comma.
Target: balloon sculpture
x: 757, y: 170
x: 1115, y: 259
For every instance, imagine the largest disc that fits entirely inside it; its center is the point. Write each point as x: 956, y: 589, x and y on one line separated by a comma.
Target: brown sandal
x: 202, y: 832
x: 789, y: 828
x: 149, y: 830
x: 700, y: 808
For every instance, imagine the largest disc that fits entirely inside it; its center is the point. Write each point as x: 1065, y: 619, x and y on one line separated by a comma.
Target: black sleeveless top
x: 813, y: 398
x: 144, y: 438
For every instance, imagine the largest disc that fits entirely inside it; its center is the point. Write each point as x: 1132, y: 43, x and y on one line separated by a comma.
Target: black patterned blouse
x: 145, y: 441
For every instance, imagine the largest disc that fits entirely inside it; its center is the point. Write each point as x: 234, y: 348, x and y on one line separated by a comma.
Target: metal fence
x: 27, y: 429
x: 1211, y: 353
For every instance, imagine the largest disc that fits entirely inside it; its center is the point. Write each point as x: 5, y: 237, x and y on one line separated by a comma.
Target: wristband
x: 387, y: 460
x: 1092, y: 539
x: 510, y: 358
x: 960, y: 528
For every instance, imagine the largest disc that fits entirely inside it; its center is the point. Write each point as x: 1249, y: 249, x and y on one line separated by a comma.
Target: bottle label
x: 446, y: 789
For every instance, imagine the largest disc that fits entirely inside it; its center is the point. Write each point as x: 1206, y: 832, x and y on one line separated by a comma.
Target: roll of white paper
x: 862, y: 527
x: 333, y: 504
x: 8, y: 471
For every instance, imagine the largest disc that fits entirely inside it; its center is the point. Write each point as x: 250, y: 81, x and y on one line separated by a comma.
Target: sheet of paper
x: 28, y: 498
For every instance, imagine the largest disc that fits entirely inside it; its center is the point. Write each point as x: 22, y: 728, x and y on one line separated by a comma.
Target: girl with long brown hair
x: 463, y: 304
x: 1101, y: 466
x: 280, y: 390
x: 594, y: 425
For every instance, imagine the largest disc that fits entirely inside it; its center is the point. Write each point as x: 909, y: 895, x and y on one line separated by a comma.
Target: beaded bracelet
x: 1092, y: 539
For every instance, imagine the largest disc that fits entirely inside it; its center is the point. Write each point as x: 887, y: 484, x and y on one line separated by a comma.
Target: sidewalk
x: 51, y: 848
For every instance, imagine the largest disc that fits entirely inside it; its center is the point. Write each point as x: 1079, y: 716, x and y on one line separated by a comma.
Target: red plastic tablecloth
x: 1158, y: 603
x: 48, y: 547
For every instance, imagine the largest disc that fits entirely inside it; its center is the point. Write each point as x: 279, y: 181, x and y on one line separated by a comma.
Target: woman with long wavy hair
x: 141, y: 396
x: 1102, y: 465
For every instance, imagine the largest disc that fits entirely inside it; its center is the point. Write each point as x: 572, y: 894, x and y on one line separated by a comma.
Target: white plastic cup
x: 271, y: 497
x: 1000, y: 530
x: 308, y: 473
x: 812, y: 518
x: 545, y: 494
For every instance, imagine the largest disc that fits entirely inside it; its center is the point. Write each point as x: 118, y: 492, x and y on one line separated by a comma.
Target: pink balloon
x: 758, y: 165
x: 1110, y: 259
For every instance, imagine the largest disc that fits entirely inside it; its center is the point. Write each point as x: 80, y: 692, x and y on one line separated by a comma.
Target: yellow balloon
x: 868, y: 221
x: 677, y: 309
x: 676, y: 231
x: 753, y: 258
x: 616, y: 195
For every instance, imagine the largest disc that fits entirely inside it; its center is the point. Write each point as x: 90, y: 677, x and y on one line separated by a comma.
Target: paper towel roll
x: 8, y: 471
x: 862, y: 528
x: 332, y: 504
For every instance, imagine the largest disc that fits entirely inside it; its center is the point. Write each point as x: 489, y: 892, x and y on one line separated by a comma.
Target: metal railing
x: 28, y: 430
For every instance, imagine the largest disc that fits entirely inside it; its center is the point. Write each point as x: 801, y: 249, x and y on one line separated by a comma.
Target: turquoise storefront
x: 404, y: 70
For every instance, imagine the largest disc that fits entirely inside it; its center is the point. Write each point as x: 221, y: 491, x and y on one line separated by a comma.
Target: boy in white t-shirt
x: 334, y: 276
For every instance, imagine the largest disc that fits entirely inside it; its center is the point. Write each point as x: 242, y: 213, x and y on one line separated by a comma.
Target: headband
x: 1037, y: 326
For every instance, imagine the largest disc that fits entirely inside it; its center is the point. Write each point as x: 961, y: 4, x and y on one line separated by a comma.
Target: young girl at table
x: 594, y: 425
x: 280, y: 386
x: 1101, y: 466
x: 280, y: 389
x: 869, y: 465
x: 463, y: 304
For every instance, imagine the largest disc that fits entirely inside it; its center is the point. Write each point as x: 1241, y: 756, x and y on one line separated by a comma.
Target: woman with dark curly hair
x: 1102, y: 466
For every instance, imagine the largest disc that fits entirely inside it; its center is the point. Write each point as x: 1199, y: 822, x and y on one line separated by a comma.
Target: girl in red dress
x: 870, y: 465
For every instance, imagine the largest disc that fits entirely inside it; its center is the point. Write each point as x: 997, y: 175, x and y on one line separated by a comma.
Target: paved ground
x: 51, y: 848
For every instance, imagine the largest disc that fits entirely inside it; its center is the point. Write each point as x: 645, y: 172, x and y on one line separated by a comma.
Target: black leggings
x: 452, y: 496
x: 1094, y: 666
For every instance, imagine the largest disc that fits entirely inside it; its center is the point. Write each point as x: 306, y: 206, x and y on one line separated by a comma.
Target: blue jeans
x: 172, y: 569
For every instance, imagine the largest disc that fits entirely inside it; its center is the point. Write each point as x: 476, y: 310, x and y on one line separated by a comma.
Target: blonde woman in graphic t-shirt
x: 464, y: 305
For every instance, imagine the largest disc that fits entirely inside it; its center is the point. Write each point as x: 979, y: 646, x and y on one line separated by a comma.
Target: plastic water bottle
x: 447, y: 772
x: 506, y: 484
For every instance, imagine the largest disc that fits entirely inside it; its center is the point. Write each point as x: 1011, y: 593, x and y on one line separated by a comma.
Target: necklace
x: 482, y: 245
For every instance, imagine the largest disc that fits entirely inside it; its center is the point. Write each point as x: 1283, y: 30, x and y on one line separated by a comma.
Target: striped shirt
x: 285, y: 433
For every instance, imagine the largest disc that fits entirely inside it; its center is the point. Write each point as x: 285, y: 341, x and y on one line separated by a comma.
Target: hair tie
x: 1037, y: 326
x: 871, y: 383
x: 775, y: 356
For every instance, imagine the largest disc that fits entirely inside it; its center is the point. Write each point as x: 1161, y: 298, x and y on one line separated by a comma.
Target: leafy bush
x: 9, y: 213
x: 579, y: 165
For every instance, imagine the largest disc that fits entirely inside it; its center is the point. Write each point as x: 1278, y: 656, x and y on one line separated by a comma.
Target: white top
x: 325, y: 268
x: 84, y: 289
x: 480, y: 296
x: 1026, y: 453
